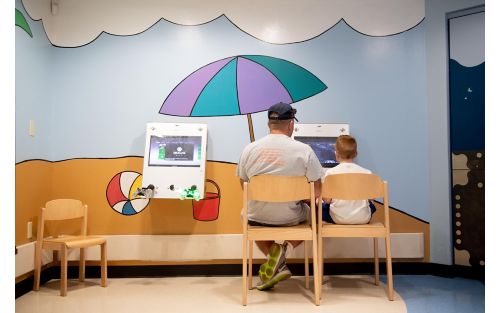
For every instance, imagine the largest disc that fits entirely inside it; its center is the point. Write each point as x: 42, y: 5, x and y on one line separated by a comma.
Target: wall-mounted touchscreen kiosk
x: 321, y: 138
x: 174, y: 160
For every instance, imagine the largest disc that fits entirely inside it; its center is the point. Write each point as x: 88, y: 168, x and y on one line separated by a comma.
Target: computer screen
x: 323, y: 147
x: 175, y: 151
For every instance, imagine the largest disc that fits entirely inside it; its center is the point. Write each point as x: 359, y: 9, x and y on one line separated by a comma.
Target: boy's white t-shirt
x: 278, y: 154
x: 349, y: 211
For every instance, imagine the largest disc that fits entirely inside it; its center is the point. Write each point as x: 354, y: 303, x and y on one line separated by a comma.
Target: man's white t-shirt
x: 349, y: 211
x: 277, y: 154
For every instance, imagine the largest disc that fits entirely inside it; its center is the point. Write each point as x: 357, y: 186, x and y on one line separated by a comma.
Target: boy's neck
x: 341, y: 160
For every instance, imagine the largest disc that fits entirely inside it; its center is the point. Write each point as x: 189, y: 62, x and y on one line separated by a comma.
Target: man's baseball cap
x: 284, y: 110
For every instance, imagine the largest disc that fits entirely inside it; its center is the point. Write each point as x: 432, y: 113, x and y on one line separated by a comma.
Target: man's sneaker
x: 283, y: 273
x: 274, y: 260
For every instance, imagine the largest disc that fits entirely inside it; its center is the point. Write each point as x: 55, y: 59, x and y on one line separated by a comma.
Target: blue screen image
x: 323, y: 147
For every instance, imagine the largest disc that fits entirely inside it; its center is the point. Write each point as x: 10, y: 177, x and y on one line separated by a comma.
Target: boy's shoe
x: 282, y: 273
x: 275, y: 259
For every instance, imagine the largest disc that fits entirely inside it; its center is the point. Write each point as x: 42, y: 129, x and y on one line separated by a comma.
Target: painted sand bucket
x: 207, y: 209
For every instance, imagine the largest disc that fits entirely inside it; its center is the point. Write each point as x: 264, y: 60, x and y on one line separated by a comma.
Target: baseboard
x: 189, y: 248
x: 176, y: 270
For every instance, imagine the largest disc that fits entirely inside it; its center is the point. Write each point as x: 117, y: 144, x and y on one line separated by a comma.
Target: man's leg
x: 275, y: 253
x: 275, y: 269
x: 295, y: 243
x: 264, y: 246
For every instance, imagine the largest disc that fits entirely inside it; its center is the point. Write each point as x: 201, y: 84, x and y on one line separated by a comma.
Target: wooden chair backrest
x: 63, y: 216
x: 353, y: 186
x: 64, y: 209
x: 273, y: 188
x: 357, y: 186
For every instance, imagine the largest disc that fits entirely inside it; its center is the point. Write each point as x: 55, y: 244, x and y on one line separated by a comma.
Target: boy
x: 347, y: 211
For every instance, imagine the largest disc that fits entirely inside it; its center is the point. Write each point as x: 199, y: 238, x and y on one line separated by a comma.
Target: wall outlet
x: 29, y: 233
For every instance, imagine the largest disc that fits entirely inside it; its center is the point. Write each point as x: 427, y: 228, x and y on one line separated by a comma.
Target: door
x: 467, y: 133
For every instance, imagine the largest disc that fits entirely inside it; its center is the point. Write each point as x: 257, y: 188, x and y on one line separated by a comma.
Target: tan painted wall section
x: 87, y: 180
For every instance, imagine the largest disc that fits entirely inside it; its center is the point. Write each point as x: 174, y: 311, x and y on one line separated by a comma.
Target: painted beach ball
x: 120, y: 193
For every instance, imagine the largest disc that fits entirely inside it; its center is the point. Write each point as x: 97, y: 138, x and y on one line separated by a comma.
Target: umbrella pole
x: 250, y: 127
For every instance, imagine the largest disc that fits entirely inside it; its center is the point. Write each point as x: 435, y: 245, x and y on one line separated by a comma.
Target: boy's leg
x: 373, y: 208
x: 325, y: 210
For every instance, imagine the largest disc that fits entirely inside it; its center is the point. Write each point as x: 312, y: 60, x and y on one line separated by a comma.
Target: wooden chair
x: 60, y: 212
x: 271, y: 188
x: 358, y: 187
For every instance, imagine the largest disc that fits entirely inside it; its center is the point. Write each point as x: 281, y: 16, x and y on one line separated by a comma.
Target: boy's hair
x: 346, y: 147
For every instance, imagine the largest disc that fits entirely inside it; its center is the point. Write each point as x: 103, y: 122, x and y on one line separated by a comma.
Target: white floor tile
x: 208, y: 294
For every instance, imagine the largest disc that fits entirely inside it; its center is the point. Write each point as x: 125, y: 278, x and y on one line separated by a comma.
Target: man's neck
x: 278, y: 132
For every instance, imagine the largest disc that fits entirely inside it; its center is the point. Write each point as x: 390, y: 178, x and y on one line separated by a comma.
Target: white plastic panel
x: 174, y: 158
x: 321, y: 130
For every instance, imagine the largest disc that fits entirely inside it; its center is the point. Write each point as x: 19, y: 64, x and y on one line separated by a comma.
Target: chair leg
x: 64, y: 270
x: 245, y: 268
x: 306, y: 264
x: 390, y: 290
x: 321, y: 264
x: 38, y: 266
x: 375, y: 256
x: 250, y: 260
x: 104, y: 264
x: 317, y: 286
x: 82, y: 265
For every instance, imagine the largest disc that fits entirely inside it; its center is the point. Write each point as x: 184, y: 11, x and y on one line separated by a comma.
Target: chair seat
x: 370, y: 225
x: 298, y: 232
x: 362, y: 230
x: 75, y: 241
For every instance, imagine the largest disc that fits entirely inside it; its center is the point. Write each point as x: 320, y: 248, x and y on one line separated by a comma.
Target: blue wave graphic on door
x: 467, y: 106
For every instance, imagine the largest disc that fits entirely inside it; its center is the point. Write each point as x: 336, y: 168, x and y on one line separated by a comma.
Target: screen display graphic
x: 323, y: 147
x: 175, y: 151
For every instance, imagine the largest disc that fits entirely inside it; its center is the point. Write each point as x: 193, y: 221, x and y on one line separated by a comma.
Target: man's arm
x: 317, y: 188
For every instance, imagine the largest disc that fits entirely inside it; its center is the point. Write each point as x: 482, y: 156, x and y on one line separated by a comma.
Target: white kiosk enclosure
x: 321, y: 138
x: 174, y: 159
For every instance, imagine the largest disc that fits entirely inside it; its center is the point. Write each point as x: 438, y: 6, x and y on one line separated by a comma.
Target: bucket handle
x: 215, y: 184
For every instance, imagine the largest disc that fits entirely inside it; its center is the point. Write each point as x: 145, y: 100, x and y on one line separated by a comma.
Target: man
x: 278, y: 154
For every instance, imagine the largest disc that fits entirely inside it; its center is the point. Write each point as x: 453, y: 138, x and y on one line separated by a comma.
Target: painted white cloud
x: 467, y: 39
x: 70, y: 23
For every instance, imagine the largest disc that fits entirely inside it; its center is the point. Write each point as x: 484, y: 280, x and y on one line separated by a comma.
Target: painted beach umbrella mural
x: 239, y: 85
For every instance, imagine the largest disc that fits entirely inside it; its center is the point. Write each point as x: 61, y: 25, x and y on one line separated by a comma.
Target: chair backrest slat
x: 62, y: 209
x: 353, y: 186
x: 272, y: 188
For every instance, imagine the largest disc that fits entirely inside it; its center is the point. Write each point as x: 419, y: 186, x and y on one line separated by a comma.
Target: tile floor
x: 414, y: 294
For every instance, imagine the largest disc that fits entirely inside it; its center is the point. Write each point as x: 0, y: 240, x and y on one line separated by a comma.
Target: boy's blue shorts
x: 326, y: 211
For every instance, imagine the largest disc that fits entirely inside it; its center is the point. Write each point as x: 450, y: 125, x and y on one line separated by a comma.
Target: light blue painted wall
x: 34, y: 65
x: 102, y: 94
